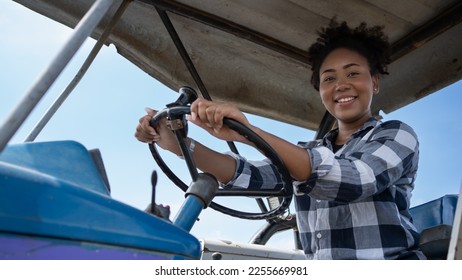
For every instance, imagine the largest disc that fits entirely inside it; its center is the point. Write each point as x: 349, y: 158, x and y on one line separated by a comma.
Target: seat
x: 434, y: 221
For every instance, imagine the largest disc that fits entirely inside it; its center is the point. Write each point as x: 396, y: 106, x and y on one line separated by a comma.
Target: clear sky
x: 104, y: 109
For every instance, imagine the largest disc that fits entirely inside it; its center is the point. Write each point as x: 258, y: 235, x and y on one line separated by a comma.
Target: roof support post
x: 86, y: 65
x: 187, y: 60
x: 82, y: 31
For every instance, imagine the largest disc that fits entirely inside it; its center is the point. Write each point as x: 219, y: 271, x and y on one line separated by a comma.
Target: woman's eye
x: 353, y: 74
x: 328, y: 79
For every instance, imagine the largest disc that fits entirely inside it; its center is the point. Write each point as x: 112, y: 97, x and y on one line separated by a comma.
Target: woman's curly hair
x: 370, y: 42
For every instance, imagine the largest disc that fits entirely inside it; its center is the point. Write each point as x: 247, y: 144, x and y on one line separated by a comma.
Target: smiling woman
x: 360, y: 166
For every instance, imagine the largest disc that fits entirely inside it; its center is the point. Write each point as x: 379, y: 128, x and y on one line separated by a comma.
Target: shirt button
x: 318, y: 235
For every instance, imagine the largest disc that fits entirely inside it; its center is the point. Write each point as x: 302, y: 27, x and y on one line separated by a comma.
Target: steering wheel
x: 175, y: 115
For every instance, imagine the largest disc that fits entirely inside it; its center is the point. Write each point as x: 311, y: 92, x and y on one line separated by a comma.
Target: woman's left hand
x: 209, y: 115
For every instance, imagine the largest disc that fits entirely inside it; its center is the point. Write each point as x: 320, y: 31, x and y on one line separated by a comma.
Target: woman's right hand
x: 162, y: 135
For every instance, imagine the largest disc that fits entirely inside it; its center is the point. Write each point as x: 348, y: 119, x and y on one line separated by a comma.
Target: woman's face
x: 346, y: 86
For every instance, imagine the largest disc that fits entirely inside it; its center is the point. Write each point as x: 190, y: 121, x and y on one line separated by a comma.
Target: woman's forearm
x: 220, y: 165
x: 295, y: 158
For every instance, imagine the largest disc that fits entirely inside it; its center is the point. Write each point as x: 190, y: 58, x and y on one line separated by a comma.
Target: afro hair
x: 370, y: 42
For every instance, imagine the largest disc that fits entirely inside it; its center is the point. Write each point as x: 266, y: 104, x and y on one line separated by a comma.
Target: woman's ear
x: 375, y: 84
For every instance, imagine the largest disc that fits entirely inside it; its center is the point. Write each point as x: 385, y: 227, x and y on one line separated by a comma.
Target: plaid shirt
x: 355, y: 204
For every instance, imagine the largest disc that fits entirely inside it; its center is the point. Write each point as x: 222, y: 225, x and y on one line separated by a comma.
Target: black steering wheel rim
x: 286, y: 192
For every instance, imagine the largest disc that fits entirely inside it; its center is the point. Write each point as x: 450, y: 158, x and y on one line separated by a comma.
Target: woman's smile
x: 346, y: 86
x: 345, y: 100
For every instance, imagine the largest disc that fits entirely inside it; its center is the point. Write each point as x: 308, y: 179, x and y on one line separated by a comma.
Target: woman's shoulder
x: 395, y: 124
x: 395, y: 128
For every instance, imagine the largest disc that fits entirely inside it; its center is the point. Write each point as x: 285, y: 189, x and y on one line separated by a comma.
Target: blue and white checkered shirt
x: 355, y: 204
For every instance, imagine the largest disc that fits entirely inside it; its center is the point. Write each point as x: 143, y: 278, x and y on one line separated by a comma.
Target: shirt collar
x: 332, y: 135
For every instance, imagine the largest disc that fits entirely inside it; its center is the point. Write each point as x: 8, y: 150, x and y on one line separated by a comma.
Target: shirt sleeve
x: 389, y: 156
x: 254, y: 174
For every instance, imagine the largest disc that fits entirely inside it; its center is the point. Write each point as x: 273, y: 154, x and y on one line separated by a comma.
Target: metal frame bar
x: 187, y: 60
x: 75, y: 81
x: 455, y: 244
x: 183, y: 53
x: 82, y: 31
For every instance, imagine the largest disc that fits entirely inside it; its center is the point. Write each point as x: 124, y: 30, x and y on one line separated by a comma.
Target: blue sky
x: 104, y: 109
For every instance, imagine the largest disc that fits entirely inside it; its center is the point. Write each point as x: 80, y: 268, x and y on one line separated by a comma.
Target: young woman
x: 352, y: 188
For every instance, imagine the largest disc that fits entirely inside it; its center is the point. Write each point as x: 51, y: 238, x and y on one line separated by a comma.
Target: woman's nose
x: 342, y: 84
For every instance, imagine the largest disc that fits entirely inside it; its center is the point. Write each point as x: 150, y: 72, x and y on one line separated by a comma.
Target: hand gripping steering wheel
x: 175, y: 115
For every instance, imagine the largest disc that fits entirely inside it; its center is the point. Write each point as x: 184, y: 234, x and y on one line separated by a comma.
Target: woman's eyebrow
x: 344, y: 67
x: 350, y: 65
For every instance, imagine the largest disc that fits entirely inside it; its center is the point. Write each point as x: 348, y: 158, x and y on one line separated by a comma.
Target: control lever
x: 158, y: 210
